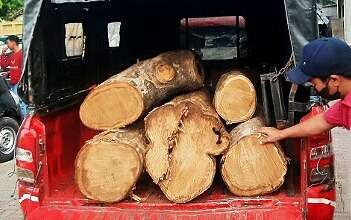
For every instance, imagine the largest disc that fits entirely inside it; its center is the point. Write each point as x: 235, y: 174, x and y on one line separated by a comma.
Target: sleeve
x: 4, y: 61
x: 334, y: 114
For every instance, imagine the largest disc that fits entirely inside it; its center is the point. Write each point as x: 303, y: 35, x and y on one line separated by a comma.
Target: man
x: 326, y: 63
x: 13, y: 61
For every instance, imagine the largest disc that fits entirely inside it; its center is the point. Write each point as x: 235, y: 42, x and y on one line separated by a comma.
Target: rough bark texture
x: 249, y: 168
x: 235, y: 97
x: 123, y: 98
x: 109, y: 165
x: 183, y: 136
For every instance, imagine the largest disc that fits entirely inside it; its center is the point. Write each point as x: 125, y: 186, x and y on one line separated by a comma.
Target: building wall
x: 342, y: 150
x: 347, y: 21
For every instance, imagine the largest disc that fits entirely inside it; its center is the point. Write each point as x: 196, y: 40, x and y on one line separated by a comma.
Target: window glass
x: 74, y: 39
x: 214, y: 38
x: 327, y: 2
x: 113, y: 29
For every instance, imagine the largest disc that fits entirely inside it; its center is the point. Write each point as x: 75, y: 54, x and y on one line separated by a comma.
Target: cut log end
x: 235, y: 98
x: 165, y: 73
x: 126, y: 96
x: 115, y: 105
x: 250, y: 168
x: 106, y: 172
x: 184, y: 134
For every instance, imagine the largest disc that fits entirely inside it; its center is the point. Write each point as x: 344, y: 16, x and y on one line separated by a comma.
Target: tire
x: 8, y: 134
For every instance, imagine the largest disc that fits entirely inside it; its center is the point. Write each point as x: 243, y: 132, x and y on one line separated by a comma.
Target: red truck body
x: 55, y: 195
x: 51, y: 136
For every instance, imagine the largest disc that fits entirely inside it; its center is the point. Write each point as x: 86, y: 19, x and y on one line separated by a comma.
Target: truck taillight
x: 25, y: 175
x: 320, y: 157
x: 320, y: 163
x: 320, y: 174
x: 29, y: 139
x: 320, y: 152
x: 24, y: 155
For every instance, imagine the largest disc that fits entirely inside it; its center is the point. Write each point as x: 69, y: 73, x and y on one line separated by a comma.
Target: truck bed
x: 65, y: 135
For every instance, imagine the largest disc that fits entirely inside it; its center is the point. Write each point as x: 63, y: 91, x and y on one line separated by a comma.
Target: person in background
x: 13, y: 63
x: 326, y: 64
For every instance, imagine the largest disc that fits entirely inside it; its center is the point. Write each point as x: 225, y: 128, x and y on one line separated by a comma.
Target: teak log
x: 123, y: 98
x: 109, y: 165
x: 250, y: 168
x: 183, y: 136
x: 235, y: 97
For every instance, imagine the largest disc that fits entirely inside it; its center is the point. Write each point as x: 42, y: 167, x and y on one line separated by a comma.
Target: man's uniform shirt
x: 340, y: 113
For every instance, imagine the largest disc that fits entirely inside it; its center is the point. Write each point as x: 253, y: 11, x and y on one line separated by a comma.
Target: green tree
x: 9, y: 8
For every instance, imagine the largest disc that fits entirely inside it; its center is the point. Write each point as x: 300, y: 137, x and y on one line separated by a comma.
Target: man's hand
x: 271, y: 134
x: 4, y: 50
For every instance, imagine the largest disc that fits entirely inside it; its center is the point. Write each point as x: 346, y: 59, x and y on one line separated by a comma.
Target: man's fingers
x: 265, y: 140
x: 264, y: 130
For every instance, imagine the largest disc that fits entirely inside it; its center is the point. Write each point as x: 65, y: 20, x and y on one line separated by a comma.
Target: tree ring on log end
x: 235, y: 99
x: 250, y: 168
x: 164, y: 73
x: 111, y: 106
x: 107, y: 172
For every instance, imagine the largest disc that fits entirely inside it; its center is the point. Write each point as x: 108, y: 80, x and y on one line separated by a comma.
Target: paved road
x: 9, y: 207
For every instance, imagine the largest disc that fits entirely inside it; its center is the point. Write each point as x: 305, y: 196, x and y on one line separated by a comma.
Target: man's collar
x: 347, y: 99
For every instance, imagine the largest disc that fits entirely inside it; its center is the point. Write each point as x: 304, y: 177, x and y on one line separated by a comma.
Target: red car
x: 61, y: 66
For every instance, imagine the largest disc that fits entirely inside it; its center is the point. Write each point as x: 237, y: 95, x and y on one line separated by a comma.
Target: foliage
x: 10, y: 8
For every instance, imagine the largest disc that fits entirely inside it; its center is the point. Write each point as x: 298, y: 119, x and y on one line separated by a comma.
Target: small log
x: 235, y: 97
x: 123, y: 98
x: 109, y: 165
x: 183, y: 135
x: 250, y: 168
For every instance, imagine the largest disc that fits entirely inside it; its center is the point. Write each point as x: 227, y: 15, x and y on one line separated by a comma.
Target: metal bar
x: 237, y: 37
x: 265, y: 101
x: 278, y: 103
x: 187, y: 32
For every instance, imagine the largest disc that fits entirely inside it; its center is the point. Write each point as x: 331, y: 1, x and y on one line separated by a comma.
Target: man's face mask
x: 324, y: 93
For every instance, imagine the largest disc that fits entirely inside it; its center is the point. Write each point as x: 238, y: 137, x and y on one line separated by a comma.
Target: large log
x: 123, y: 98
x: 235, y: 97
x: 250, y: 168
x: 109, y: 165
x: 183, y: 136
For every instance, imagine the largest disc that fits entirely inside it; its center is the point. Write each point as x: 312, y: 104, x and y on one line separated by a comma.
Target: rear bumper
x: 287, y: 212
x: 69, y: 205
x: 54, y: 212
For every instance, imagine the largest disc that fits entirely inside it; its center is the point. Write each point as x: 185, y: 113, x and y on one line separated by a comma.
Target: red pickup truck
x: 72, y: 45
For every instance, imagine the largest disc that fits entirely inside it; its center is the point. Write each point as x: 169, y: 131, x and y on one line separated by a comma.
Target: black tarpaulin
x: 301, y: 16
x: 30, y: 17
x: 302, y: 23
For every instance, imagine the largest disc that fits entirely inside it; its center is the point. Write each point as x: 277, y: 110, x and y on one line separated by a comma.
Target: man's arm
x: 4, y: 60
x: 313, y: 126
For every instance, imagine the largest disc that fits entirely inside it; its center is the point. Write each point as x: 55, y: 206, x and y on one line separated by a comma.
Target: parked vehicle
x: 10, y: 118
x: 56, y: 82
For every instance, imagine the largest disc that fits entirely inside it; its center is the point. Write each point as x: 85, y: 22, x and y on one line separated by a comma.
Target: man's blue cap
x: 321, y: 58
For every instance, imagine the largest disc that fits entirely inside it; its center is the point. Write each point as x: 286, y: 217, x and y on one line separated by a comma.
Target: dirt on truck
x: 70, y: 46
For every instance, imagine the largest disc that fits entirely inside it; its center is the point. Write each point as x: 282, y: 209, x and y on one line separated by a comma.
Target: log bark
x: 123, y: 98
x: 250, y: 168
x: 109, y: 165
x: 183, y: 136
x: 235, y: 97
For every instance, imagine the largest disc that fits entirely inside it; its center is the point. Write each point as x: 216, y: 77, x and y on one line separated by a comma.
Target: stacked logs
x: 179, y: 139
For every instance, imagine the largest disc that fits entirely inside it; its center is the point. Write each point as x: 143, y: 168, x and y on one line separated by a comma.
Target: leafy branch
x: 9, y: 9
